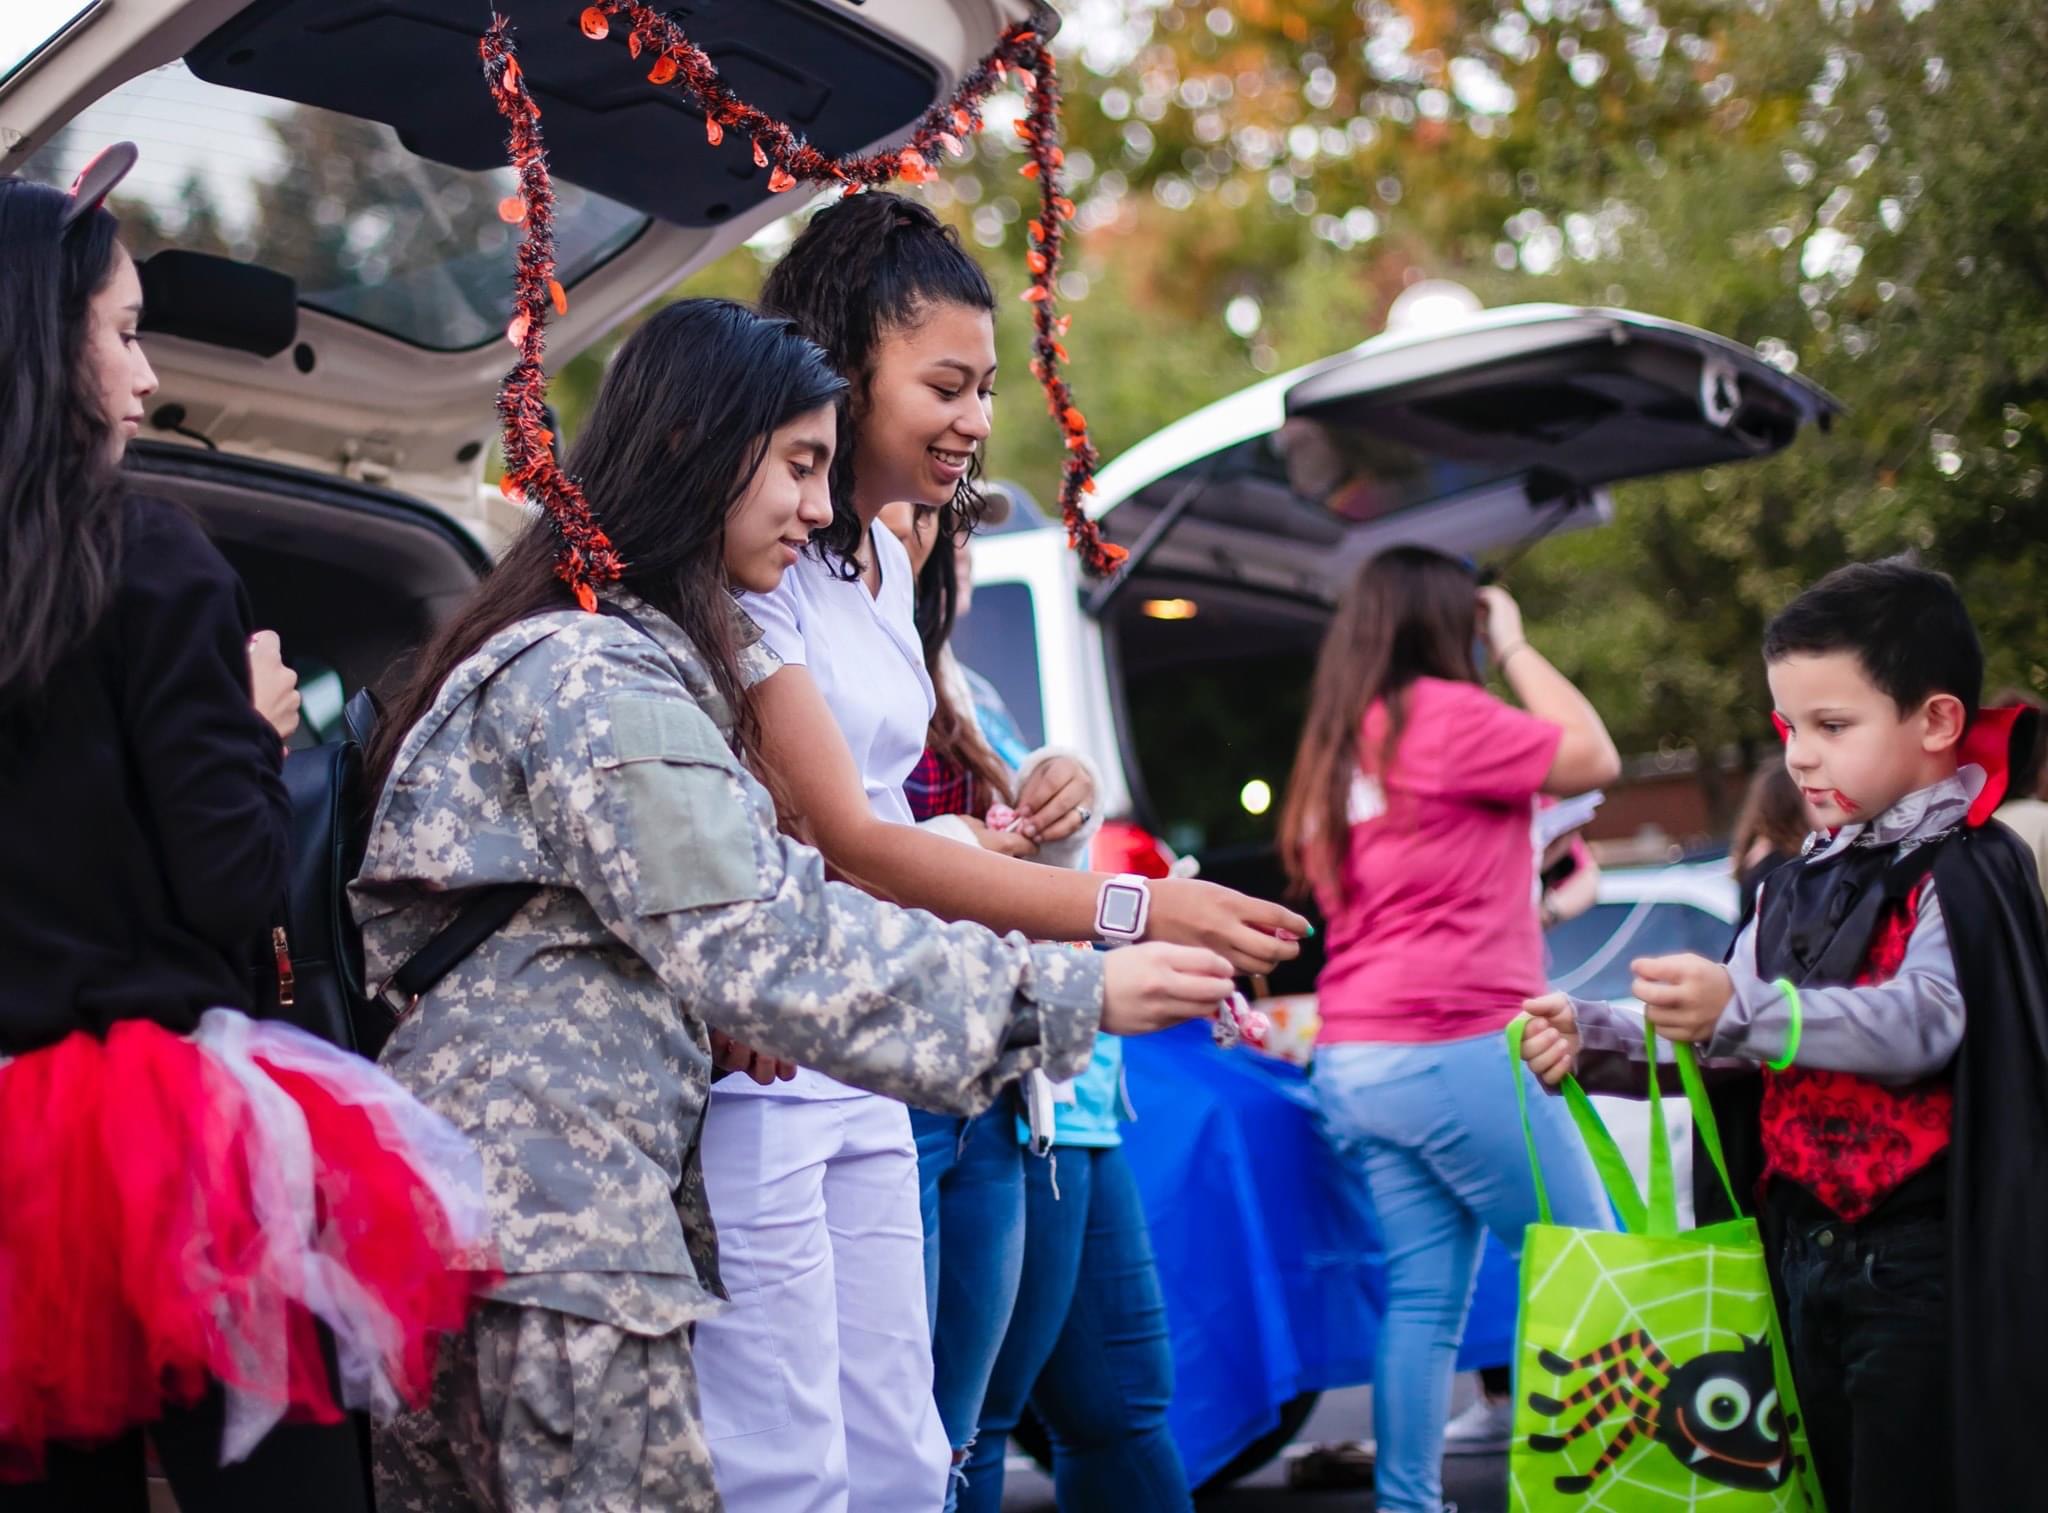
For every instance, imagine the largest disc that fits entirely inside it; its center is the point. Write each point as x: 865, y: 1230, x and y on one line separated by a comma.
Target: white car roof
x: 1703, y: 885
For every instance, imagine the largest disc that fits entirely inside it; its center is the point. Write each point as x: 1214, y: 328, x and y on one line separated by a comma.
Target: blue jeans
x: 1433, y: 1127
x: 971, y: 1186
x: 1088, y: 1346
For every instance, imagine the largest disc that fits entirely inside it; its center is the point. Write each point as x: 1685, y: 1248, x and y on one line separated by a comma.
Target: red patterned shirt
x: 1846, y: 1139
x: 936, y: 786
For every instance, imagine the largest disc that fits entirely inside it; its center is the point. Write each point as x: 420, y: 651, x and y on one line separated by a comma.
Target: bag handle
x: 1663, y: 1181
x: 1608, y: 1161
x: 1659, y: 1215
x: 1703, y: 1120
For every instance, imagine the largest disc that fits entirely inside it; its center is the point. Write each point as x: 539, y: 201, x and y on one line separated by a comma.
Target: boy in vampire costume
x: 1878, y: 1041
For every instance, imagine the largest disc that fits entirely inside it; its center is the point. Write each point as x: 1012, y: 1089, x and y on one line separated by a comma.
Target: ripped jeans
x: 971, y: 1186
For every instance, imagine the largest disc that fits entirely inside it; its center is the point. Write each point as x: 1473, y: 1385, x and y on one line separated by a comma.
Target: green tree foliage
x: 1848, y: 185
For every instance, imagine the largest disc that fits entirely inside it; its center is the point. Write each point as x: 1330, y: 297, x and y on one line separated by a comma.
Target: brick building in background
x: 1667, y: 805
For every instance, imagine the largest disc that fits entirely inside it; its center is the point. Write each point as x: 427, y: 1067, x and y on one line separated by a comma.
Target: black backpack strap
x: 482, y: 917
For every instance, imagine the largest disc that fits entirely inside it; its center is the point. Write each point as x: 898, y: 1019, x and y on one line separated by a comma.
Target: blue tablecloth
x: 1268, y: 1251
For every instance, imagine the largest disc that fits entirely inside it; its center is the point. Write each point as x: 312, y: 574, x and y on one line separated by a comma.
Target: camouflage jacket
x: 571, y: 1047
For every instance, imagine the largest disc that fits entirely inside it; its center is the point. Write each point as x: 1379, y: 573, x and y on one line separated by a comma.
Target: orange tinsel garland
x: 588, y: 557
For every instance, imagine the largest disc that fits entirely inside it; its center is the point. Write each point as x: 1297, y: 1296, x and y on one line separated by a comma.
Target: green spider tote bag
x: 1650, y: 1372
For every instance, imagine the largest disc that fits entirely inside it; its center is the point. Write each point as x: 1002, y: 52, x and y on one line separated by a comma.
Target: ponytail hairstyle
x: 681, y: 425
x: 1410, y: 613
x: 864, y: 266
x: 952, y: 734
x: 60, y: 491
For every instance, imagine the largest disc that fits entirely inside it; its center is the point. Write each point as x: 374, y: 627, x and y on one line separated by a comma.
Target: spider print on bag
x: 1718, y: 1413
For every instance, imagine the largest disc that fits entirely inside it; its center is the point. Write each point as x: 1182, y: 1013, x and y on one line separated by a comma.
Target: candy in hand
x: 1238, y: 1021
x: 1001, y: 818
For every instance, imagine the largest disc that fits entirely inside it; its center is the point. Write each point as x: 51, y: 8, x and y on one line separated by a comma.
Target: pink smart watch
x: 1122, y: 908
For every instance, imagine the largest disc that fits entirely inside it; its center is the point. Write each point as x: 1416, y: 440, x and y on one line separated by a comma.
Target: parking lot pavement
x: 1477, y: 1484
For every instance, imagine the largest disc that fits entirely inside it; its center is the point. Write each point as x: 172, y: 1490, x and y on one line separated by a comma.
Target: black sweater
x: 142, y: 815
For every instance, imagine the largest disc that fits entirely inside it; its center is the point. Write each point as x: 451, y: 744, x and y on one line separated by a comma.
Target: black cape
x: 1991, y: 902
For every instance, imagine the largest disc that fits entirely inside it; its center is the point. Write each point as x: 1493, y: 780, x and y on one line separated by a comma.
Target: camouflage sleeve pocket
x: 678, y: 806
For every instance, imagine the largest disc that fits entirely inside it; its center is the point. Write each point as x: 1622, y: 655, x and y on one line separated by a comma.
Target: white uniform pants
x: 817, y: 1385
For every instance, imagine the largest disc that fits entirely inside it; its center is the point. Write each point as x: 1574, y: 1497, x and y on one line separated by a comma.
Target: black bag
x: 318, y: 949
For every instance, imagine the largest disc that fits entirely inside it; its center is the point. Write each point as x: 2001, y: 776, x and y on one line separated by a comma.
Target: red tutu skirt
x: 179, y: 1210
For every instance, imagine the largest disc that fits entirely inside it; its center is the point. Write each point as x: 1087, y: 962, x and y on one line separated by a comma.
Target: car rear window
x: 998, y: 638
x: 1589, y: 956
x: 372, y: 232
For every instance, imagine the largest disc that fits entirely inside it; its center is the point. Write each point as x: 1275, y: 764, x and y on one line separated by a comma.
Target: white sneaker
x: 1485, y: 1428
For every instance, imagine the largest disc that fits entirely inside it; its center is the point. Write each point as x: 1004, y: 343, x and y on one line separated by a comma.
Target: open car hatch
x: 1508, y: 426
x: 352, y: 147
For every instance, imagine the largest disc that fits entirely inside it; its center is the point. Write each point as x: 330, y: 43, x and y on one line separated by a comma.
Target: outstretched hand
x: 1153, y: 986
x: 1683, y: 996
x: 1254, y: 935
x: 1550, y: 1042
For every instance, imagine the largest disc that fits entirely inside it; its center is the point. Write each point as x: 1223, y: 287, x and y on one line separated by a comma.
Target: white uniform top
x: 863, y: 653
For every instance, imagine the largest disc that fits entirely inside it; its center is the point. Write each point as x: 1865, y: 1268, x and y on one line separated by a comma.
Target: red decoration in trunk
x: 587, y: 556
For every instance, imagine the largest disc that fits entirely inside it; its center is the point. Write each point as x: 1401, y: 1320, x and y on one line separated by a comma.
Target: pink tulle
x: 177, y: 1210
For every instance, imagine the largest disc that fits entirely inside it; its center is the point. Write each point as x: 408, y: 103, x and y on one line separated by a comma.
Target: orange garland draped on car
x: 588, y: 557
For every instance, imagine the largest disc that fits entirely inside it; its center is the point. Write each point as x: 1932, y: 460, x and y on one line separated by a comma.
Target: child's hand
x: 1550, y: 1043
x: 1683, y: 996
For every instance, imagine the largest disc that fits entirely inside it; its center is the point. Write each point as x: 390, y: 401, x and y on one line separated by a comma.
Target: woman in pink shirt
x: 1409, y: 816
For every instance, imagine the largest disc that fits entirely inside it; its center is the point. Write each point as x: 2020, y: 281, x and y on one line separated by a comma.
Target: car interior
x: 352, y: 579
x: 1210, y: 687
x: 288, y: 167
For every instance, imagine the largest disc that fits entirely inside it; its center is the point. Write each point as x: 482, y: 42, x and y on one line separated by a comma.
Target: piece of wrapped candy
x: 1238, y: 1022
x: 1001, y: 817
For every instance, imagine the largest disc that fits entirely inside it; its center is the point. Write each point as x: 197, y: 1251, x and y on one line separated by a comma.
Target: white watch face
x: 1121, y: 907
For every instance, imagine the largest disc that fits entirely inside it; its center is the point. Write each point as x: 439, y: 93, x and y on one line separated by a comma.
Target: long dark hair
x: 681, y: 423
x: 60, y: 492
x: 952, y: 733
x: 1772, y: 811
x: 869, y: 264
x: 1410, y: 613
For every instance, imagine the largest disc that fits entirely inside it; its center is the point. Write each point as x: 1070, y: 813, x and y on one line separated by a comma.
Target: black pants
x: 299, y: 1468
x: 1867, y: 1324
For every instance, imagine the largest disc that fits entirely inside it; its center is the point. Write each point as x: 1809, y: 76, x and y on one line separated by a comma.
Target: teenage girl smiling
x: 818, y: 1384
